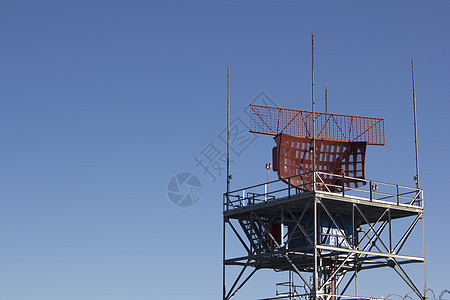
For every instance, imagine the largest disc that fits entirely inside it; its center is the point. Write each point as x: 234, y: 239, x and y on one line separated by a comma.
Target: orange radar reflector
x: 293, y: 156
x: 331, y: 127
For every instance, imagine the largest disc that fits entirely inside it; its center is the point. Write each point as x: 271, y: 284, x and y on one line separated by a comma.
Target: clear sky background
x: 103, y: 102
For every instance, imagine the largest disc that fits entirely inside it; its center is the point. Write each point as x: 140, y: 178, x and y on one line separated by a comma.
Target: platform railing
x: 288, y: 289
x: 371, y: 190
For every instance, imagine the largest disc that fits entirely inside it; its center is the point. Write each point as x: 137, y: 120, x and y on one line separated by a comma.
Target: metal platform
x: 336, y: 202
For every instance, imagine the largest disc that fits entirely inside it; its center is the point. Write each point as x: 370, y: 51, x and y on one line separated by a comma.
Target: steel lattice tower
x: 324, y: 226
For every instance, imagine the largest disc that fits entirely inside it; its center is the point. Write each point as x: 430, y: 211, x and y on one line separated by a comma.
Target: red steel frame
x: 333, y: 127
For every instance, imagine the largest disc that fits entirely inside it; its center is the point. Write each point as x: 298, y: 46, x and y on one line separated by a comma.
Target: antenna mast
x: 416, y: 178
x: 228, y: 183
x: 313, y: 108
x: 326, y: 97
x: 228, y: 130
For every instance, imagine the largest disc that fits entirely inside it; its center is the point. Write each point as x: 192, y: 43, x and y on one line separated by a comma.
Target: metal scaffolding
x: 324, y: 233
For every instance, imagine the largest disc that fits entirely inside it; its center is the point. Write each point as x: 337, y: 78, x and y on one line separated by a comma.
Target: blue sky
x: 103, y: 102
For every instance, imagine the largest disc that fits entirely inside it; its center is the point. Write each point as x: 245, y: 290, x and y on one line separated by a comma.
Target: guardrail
x: 370, y: 189
x: 289, y: 290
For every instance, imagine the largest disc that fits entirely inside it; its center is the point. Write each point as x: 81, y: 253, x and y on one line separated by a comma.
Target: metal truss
x: 314, y: 244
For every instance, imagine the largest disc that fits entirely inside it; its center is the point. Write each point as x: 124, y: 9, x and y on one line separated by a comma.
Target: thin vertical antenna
x: 326, y: 97
x: 313, y: 107
x: 316, y: 263
x: 416, y: 178
x: 224, y: 290
x: 228, y: 130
